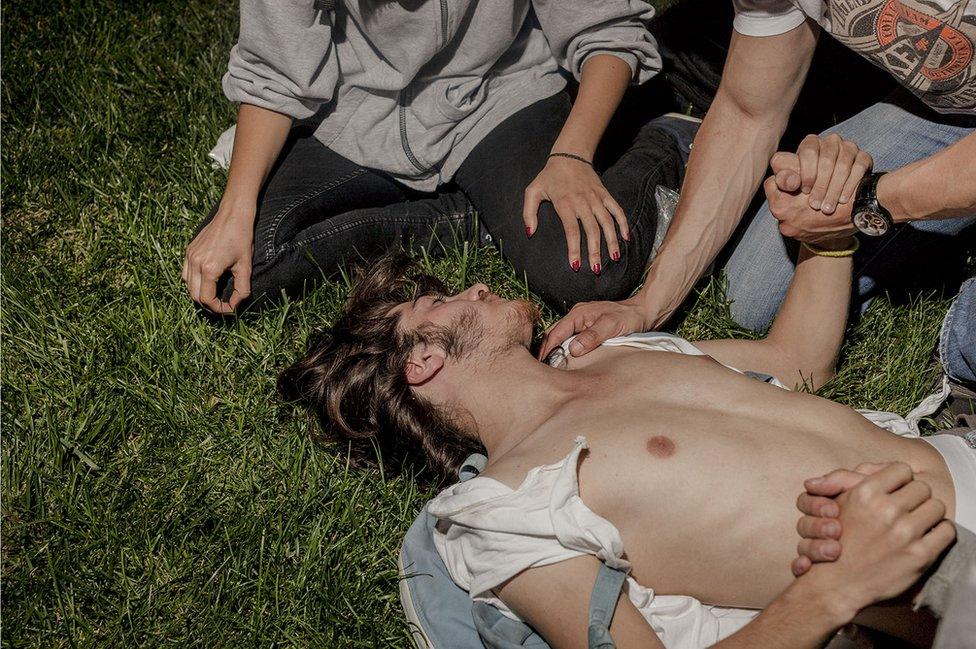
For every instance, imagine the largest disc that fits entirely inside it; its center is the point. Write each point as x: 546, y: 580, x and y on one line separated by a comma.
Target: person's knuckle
x: 589, y: 337
x: 902, y: 470
x: 888, y: 512
x: 210, y: 267
x: 924, y: 489
x: 820, y: 525
x: 901, y: 531
x: 863, y: 493
x: 918, y: 553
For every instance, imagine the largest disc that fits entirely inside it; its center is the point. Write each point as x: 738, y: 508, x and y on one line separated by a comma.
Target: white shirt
x: 487, y: 533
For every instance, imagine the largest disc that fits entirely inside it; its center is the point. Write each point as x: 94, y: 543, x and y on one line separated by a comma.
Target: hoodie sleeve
x: 284, y: 59
x: 578, y: 29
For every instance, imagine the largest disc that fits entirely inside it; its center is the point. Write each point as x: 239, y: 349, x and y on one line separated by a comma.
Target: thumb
x: 593, y: 336
x: 786, y: 169
x: 834, y: 483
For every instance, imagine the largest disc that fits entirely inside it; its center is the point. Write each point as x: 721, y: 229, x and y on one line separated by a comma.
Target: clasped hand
x: 811, y: 192
x: 873, y: 531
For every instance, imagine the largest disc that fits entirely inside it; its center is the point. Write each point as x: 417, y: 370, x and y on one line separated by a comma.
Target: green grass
x: 155, y: 492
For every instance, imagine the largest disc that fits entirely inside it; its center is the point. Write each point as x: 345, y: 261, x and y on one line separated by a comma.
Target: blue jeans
x: 957, y: 340
x: 761, y: 265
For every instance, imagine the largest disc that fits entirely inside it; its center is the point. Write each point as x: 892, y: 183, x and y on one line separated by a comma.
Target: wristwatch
x: 868, y: 215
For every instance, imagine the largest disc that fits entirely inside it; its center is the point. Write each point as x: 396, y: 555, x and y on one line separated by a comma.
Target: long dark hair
x: 352, y: 377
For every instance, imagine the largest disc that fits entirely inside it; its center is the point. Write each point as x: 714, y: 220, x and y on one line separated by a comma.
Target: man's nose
x: 475, y: 292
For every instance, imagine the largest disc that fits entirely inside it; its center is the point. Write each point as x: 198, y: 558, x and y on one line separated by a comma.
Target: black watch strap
x: 868, y: 215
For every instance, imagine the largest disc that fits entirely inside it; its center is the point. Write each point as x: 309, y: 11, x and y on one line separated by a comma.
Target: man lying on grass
x: 690, y: 473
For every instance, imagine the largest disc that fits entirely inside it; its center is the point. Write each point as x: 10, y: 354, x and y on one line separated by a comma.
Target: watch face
x: 871, y: 223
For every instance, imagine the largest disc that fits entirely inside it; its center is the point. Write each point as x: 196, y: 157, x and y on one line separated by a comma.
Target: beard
x: 519, y: 325
x: 467, y: 335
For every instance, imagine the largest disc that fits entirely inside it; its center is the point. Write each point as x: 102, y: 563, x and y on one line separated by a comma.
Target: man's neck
x: 513, y: 395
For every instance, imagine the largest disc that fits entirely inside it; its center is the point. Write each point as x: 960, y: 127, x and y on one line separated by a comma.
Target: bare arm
x: 554, y: 600
x: 226, y: 242
x: 762, y: 78
x: 760, y: 84
x: 938, y: 187
x: 258, y: 140
x: 805, y: 339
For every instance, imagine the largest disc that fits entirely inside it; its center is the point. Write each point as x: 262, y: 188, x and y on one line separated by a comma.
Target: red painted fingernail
x: 616, y: 255
x: 596, y: 269
x: 575, y: 265
x: 528, y: 231
x: 627, y: 237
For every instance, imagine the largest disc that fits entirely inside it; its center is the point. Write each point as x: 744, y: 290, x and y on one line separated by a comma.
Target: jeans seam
x: 947, y: 326
x: 294, y: 245
x: 270, y: 250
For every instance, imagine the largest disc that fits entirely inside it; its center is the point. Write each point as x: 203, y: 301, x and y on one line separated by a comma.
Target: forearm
x: 942, y: 186
x: 809, y: 328
x: 727, y: 164
x: 602, y: 85
x: 802, y: 617
x: 259, y: 138
x: 760, y: 84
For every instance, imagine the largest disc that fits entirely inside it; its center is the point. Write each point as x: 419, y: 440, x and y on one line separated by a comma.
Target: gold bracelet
x: 824, y: 252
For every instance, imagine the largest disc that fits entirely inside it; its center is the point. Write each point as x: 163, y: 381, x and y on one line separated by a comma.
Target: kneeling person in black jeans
x: 373, y: 172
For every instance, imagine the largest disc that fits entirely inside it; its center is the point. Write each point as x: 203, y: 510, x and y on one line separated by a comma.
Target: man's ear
x: 423, y: 364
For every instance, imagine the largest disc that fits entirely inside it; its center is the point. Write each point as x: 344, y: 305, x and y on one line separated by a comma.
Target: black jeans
x: 318, y: 210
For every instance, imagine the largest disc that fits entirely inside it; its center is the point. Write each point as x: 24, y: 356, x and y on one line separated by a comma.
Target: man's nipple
x: 661, y: 446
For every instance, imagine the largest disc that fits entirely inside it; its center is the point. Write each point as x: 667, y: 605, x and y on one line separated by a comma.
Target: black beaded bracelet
x: 571, y: 156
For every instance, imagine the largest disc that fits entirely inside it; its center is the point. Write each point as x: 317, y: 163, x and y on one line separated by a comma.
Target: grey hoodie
x: 413, y: 86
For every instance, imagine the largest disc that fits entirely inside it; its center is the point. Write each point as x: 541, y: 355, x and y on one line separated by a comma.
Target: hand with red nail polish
x: 596, y: 269
x: 582, y: 203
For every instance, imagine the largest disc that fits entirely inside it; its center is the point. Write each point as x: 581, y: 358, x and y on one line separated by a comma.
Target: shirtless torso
x: 698, y: 467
